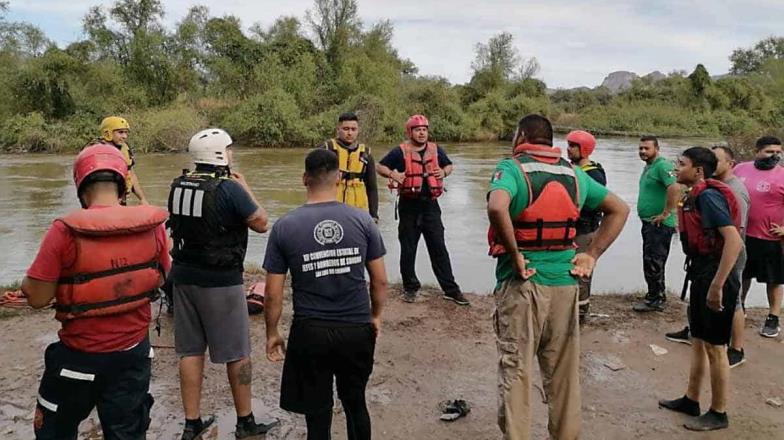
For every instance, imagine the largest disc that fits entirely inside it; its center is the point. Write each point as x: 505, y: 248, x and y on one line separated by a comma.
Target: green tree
x: 140, y: 44
x: 335, y: 23
x: 700, y: 80
x: 745, y: 61
x: 496, y: 64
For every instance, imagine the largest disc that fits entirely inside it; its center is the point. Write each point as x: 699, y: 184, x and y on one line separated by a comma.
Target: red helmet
x: 416, y: 121
x: 99, y: 157
x: 585, y: 140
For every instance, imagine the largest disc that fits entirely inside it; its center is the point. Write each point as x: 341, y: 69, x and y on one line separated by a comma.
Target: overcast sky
x: 577, y: 43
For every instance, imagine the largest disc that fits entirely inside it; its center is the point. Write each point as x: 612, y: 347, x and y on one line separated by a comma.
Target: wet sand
x: 434, y: 350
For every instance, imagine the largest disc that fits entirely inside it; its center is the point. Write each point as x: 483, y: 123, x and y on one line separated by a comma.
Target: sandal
x: 454, y: 409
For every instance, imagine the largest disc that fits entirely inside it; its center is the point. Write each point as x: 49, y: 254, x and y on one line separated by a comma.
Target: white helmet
x: 209, y: 147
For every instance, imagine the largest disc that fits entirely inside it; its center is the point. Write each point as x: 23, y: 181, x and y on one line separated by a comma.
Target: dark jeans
x: 423, y: 218
x: 75, y: 382
x: 655, y: 250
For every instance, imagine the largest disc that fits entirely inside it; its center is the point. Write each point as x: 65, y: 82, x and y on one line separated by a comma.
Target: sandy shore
x: 434, y: 350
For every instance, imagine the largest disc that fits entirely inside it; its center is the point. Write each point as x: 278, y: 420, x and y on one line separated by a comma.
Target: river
x: 38, y: 187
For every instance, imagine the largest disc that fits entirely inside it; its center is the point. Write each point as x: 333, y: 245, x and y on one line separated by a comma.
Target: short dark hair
x: 537, y: 129
x: 764, y: 141
x: 726, y: 149
x: 650, y: 138
x: 102, y: 176
x: 702, y: 157
x: 348, y: 116
x: 319, y: 165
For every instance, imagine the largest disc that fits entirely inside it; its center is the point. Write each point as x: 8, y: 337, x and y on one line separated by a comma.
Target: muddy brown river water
x: 37, y: 188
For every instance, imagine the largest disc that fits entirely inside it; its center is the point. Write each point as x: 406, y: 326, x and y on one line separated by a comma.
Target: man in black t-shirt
x: 417, y: 168
x: 326, y: 246
x: 211, y: 209
x: 708, y: 220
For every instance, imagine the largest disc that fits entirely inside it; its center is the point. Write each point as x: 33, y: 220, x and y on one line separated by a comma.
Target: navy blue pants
x: 75, y: 382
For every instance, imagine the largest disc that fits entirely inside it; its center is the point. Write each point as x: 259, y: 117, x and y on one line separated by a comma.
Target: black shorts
x: 765, y: 261
x: 712, y: 327
x: 318, y: 350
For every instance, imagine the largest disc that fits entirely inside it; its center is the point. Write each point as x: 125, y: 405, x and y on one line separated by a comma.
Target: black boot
x: 247, y: 426
x: 651, y: 304
x: 710, y: 421
x: 195, y: 428
x: 682, y: 405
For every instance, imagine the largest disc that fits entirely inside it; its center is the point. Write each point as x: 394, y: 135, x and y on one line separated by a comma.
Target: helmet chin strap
x: 219, y: 170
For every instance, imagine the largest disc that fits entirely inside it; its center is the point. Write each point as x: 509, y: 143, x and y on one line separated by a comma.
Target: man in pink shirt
x: 764, y: 179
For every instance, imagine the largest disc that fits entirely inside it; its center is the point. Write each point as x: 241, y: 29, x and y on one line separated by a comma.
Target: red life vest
x: 549, y: 222
x: 420, y: 166
x: 695, y: 239
x: 116, y: 268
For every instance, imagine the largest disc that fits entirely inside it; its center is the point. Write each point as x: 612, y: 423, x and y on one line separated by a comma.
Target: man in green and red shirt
x: 537, y: 293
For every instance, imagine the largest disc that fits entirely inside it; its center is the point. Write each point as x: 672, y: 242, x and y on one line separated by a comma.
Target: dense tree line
x: 284, y: 84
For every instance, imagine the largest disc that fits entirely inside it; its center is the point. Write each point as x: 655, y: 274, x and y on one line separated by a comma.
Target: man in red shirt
x: 102, y: 265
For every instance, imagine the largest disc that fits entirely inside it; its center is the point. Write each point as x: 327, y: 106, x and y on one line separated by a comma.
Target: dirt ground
x: 435, y: 350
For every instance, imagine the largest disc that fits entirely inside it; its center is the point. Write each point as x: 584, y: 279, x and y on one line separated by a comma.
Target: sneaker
x: 710, y: 421
x: 771, y: 328
x: 457, y: 297
x: 194, y: 431
x: 250, y: 428
x: 409, y: 296
x: 655, y: 304
x: 682, y: 405
x: 679, y: 336
x: 736, y: 357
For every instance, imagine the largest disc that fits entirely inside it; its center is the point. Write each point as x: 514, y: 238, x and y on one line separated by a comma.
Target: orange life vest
x: 549, y: 222
x: 421, y: 167
x: 116, y: 268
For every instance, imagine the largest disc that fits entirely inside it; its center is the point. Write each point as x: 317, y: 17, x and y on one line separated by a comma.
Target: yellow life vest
x: 353, y: 165
x: 126, y: 152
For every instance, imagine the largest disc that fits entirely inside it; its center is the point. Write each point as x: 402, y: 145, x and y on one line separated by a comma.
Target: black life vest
x: 590, y: 219
x: 200, y: 237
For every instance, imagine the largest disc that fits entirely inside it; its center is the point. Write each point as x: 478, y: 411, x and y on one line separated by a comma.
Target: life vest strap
x: 82, y: 278
x: 540, y: 224
x: 77, y: 309
x: 540, y: 243
x: 351, y: 176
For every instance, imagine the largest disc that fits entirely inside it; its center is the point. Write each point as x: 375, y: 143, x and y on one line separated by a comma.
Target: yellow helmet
x: 108, y: 125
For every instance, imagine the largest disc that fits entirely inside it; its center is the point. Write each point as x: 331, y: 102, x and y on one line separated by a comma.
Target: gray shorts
x: 739, y: 265
x: 211, y: 316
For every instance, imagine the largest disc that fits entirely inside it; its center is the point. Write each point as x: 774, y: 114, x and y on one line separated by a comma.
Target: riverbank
x: 434, y: 350
x: 163, y: 140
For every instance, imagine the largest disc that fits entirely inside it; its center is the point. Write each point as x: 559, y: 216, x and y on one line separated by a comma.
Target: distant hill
x: 619, y: 81
x: 655, y: 76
